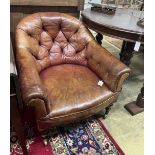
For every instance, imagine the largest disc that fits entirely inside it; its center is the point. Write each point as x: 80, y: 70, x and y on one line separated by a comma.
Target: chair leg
x: 46, y: 135
x: 45, y: 138
x: 45, y: 142
x: 107, y: 109
x: 17, y: 124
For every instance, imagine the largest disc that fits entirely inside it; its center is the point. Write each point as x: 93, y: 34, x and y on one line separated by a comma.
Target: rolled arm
x: 32, y: 90
x: 30, y: 82
x: 111, y: 70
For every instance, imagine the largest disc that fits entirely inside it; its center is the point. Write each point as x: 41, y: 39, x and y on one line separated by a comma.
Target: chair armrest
x: 32, y: 90
x: 111, y: 70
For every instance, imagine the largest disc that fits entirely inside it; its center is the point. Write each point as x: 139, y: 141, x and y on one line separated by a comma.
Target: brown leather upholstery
x: 60, y: 64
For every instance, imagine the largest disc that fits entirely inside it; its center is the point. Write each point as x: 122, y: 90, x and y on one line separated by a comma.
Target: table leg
x: 127, y: 52
x: 99, y: 38
x: 137, y: 106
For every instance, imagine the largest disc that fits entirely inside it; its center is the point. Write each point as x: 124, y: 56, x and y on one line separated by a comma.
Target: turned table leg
x: 127, y: 52
x: 137, y: 106
x: 99, y: 38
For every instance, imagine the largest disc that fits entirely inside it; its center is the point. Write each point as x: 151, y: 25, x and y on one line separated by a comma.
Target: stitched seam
x: 83, y: 110
x: 119, y: 78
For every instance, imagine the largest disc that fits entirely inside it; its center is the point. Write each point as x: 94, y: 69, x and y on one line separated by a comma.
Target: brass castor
x: 45, y: 142
x: 13, y: 137
x: 46, y: 137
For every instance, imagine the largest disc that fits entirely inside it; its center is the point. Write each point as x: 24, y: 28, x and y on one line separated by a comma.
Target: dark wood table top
x: 123, y: 24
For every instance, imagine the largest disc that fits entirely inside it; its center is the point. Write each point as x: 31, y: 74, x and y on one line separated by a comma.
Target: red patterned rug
x: 89, y: 137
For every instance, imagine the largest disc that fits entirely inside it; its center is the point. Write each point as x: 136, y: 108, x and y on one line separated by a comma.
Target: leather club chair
x: 60, y: 65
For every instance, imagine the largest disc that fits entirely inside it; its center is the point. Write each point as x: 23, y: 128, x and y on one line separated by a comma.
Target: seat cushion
x: 72, y: 89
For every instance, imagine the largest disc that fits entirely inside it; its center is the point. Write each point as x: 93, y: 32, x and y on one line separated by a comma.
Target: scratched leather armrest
x: 30, y: 83
x: 110, y: 69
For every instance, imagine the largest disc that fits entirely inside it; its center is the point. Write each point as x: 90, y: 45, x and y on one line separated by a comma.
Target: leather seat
x: 60, y: 65
x: 73, y: 92
x: 73, y: 89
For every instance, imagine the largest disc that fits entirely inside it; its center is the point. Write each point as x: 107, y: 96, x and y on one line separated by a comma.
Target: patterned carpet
x: 89, y: 137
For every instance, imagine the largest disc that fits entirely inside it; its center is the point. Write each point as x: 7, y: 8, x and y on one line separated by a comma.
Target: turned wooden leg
x: 45, y: 141
x: 127, y: 52
x: 46, y: 135
x: 13, y: 134
x: 17, y: 123
x: 107, y: 109
x: 99, y: 38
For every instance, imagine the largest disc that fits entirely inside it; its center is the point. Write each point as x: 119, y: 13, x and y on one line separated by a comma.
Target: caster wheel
x: 105, y: 116
x: 45, y: 142
x: 13, y: 139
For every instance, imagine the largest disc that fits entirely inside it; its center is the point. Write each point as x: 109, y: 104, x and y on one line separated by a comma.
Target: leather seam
x: 119, y: 78
x: 83, y: 110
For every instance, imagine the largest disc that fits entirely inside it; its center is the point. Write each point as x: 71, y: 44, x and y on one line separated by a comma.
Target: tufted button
x: 43, y: 28
x: 67, y: 40
x: 39, y: 43
x: 29, y: 34
x: 76, y: 30
x: 91, y: 56
x: 60, y: 26
x: 55, y: 37
x: 98, y: 63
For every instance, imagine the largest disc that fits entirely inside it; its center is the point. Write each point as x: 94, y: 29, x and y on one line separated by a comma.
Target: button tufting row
x: 58, y: 42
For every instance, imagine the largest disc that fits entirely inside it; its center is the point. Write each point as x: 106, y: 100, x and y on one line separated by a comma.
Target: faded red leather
x: 60, y: 64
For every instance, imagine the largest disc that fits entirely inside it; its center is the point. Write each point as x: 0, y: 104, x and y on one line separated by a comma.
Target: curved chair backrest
x: 53, y: 38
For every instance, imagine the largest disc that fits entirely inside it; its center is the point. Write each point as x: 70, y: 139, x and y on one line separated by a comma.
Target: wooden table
x: 121, y: 25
